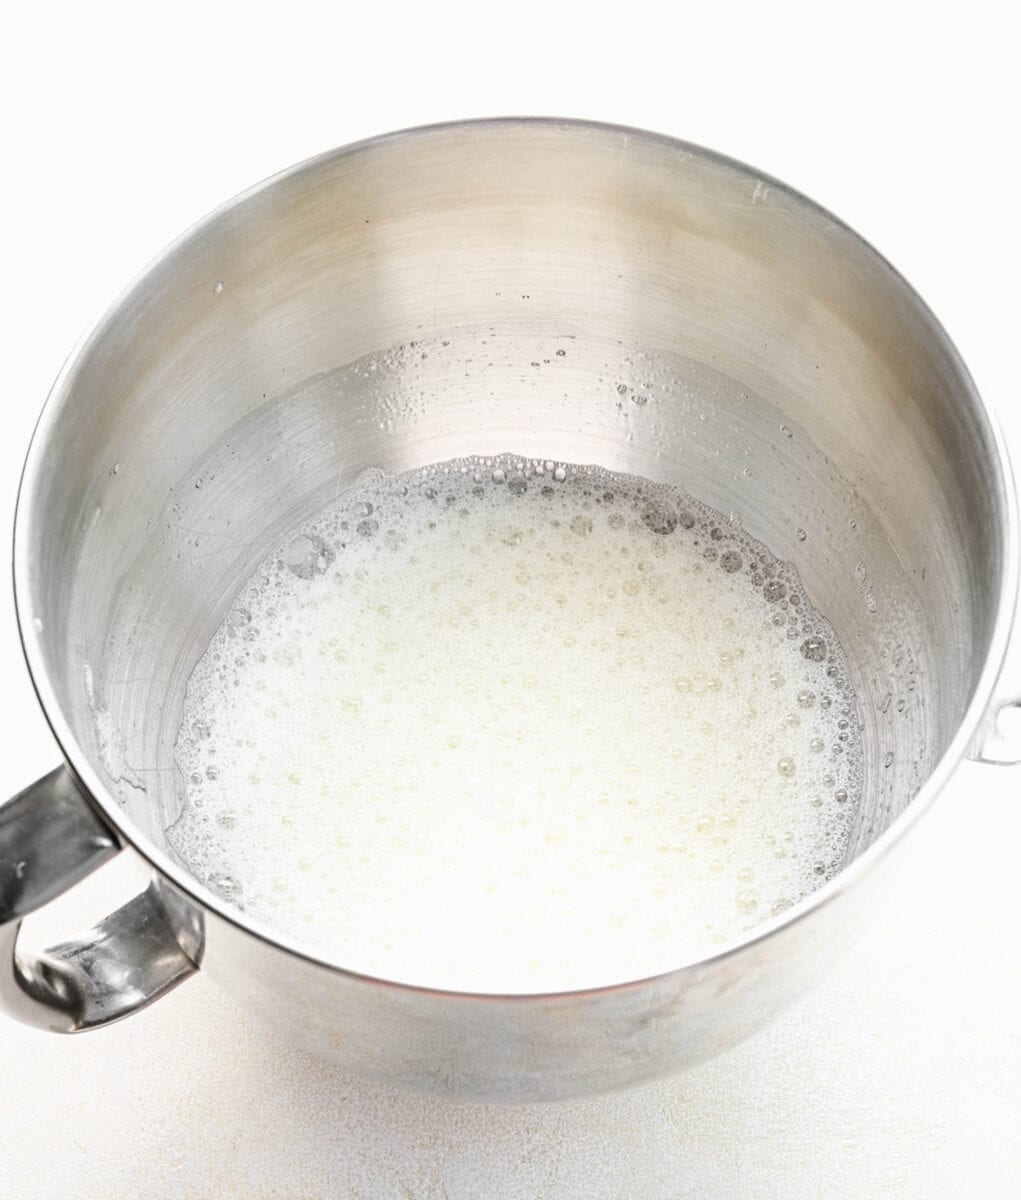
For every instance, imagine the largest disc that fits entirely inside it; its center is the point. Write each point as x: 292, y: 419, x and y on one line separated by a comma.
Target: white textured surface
x: 614, y: 752
x: 900, y: 1076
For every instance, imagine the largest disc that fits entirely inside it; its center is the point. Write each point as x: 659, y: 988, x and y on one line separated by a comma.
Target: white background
x: 901, y: 1075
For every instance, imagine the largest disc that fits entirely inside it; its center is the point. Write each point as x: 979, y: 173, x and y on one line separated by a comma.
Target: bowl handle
x: 994, y: 744
x: 50, y: 838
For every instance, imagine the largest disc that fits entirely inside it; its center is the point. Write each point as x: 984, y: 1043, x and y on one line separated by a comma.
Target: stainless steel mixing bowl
x: 404, y: 301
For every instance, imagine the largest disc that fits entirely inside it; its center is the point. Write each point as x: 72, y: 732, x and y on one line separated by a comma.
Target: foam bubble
x: 471, y: 728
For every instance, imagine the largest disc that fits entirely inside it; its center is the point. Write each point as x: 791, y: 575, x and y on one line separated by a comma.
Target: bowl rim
x: 96, y: 792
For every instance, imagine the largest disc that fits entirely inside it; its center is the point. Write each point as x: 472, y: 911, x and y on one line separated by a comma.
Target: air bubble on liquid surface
x: 228, y: 887
x: 659, y: 518
x: 307, y: 555
x: 814, y: 649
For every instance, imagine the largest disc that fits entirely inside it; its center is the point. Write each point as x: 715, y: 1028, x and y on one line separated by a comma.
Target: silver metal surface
x: 50, y: 838
x: 405, y: 301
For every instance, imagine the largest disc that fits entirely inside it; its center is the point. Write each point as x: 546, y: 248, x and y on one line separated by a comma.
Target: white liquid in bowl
x: 517, y: 727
